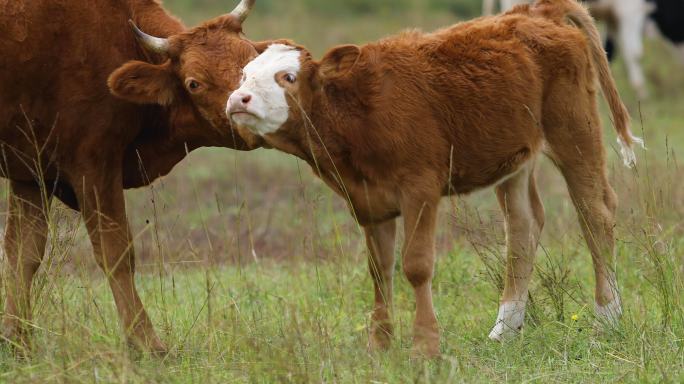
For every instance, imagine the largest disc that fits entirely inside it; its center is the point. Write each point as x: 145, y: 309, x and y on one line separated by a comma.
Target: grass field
x: 253, y: 271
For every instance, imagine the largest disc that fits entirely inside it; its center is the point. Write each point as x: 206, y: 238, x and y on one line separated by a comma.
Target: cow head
x: 201, y: 65
x: 279, y: 88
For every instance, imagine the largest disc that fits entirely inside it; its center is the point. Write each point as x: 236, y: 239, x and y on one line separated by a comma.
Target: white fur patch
x: 610, y: 313
x: 268, y: 109
x: 627, y: 152
x: 509, y: 321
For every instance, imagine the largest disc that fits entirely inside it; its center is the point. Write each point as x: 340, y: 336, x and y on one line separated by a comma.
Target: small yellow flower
x: 575, y: 317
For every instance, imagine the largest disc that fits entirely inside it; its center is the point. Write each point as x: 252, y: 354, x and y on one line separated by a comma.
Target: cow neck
x: 161, y: 144
x: 325, y: 143
x: 152, y: 18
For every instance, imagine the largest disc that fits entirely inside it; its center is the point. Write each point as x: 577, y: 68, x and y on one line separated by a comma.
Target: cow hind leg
x: 595, y: 203
x: 524, y: 220
x: 575, y: 143
x: 25, y: 239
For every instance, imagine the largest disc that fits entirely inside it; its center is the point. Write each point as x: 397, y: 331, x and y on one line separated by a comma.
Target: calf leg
x: 420, y: 218
x: 102, y: 204
x: 596, y: 203
x: 573, y: 132
x: 380, y: 241
x: 524, y: 219
x: 25, y: 239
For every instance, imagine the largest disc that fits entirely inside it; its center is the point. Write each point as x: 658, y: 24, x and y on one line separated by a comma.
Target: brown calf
x: 395, y: 125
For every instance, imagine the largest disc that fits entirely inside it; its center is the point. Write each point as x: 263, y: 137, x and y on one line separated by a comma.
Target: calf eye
x: 290, y: 78
x: 193, y: 85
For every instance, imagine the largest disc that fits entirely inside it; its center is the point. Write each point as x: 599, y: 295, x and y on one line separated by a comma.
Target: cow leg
x: 630, y: 34
x: 420, y: 219
x: 102, y: 204
x: 596, y: 203
x: 680, y: 51
x: 577, y: 149
x: 524, y: 220
x: 25, y: 238
x: 488, y: 7
x: 380, y: 241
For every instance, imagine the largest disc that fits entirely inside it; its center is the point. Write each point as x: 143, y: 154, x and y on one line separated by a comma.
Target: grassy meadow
x: 253, y: 271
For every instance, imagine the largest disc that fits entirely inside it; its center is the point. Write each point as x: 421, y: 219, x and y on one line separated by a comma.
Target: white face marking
x: 260, y: 104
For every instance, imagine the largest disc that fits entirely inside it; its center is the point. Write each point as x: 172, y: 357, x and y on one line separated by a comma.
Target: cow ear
x: 144, y: 83
x: 339, y: 61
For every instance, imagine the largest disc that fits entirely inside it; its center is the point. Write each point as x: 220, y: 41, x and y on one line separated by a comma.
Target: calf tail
x: 578, y: 15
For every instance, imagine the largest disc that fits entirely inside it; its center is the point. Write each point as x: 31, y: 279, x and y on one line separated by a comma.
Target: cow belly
x: 485, y: 173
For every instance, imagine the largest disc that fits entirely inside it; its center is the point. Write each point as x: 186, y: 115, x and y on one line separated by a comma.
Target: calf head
x: 199, y: 67
x: 280, y: 89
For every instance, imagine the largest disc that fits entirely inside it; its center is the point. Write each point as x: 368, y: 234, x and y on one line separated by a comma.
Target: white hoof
x: 610, y: 313
x: 509, y: 321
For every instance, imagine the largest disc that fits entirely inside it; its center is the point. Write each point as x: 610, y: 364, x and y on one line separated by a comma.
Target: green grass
x: 253, y: 271
x: 307, y: 322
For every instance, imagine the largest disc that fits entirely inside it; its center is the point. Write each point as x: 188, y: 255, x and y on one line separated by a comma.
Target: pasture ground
x: 253, y: 271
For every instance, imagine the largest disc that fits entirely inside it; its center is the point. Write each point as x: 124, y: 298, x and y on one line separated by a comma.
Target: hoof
x: 609, y: 314
x: 17, y: 340
x: 425, y: 350
x: 380, y: 338
x: 509, y: 322
x: 502, y: 332
x: 150, y: 345
x: 425, y: 343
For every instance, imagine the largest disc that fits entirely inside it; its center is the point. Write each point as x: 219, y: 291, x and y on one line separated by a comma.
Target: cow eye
x: 193, y: 85
x: 290, y: 78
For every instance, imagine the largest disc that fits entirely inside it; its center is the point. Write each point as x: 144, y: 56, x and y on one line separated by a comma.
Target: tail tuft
x: 627, y: 150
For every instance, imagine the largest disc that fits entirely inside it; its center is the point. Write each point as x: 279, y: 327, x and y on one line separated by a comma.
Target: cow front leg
x: 102, y: 204
x: 380, y: 241
x: 25, y: 238
x: 420, y: 218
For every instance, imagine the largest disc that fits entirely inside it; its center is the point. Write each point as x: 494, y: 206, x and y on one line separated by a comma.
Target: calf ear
x: 339, y: 61
x: 143, y: 83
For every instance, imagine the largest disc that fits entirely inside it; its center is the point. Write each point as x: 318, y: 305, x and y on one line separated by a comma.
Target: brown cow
x: 395, y: 125
x: 64, y: 134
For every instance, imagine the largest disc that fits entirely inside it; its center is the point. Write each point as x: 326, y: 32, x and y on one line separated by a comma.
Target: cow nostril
x: 246, y: 99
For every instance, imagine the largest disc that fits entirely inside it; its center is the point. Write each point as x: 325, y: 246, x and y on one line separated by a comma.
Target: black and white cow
x: 669, y: 17
x: 626, y: 21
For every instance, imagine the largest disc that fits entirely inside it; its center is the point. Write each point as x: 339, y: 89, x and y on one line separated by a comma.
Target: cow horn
x: 242, y: 10
x: 154, y: 44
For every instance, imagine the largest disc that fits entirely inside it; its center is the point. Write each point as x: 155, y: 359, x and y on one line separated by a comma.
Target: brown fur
x: 394, y: 125
x: 62, y: 130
